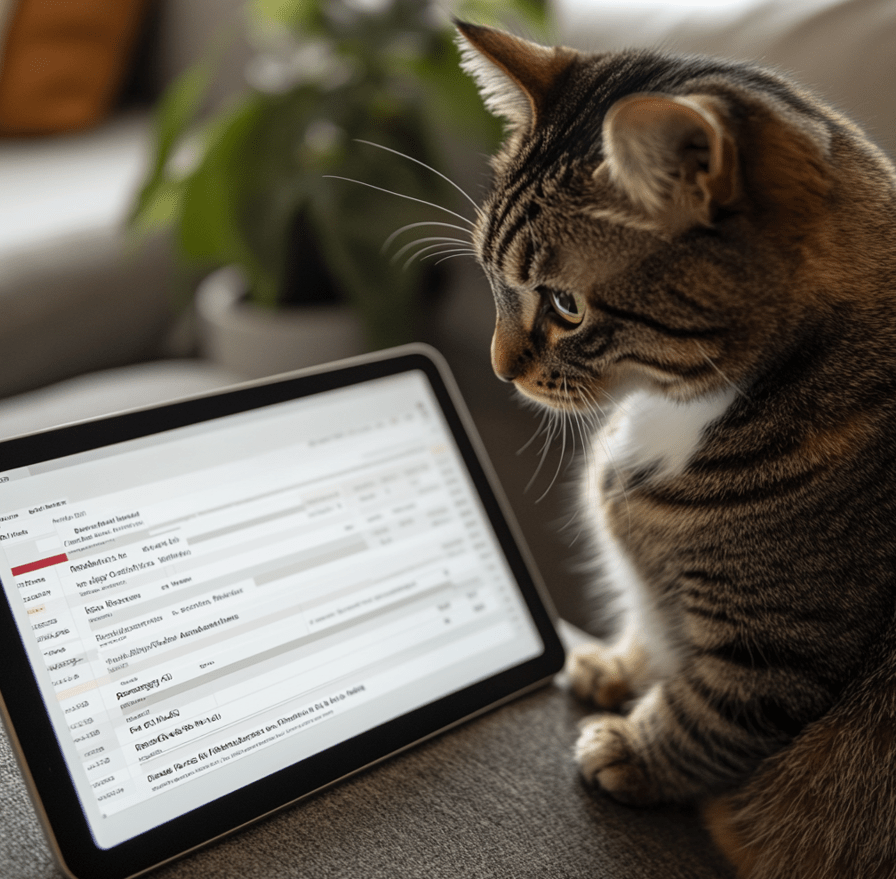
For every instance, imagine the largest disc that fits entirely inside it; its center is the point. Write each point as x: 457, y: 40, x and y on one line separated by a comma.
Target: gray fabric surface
x: 112, y: 390
x: 497, y: 797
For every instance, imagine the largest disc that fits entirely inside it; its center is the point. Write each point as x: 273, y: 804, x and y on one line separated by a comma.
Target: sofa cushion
x: 75, y: 293
x: 63, y: 62
x: 842, y: 49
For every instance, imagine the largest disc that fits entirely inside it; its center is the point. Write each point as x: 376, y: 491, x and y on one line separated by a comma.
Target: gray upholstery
x: 497, y: 797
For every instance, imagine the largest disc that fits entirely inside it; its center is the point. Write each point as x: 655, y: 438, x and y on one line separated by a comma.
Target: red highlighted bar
x: 42, y: 563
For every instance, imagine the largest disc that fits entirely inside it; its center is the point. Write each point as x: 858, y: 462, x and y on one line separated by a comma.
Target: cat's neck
x: 651, y: 431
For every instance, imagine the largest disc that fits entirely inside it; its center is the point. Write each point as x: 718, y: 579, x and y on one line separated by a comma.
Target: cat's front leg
x: 664, y: 751
x: 615, y: 753
x: 609, y: 675
x: 608, y: 752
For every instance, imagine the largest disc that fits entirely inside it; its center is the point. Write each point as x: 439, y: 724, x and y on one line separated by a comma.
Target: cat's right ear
x: 515, y: 76
x: 674, y: 157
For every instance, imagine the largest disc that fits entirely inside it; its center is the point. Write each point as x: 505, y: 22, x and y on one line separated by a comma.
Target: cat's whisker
x: 454, y: 255
x: 548, y: 431
x: 570, y: 408
x: 570, y: 416
x: 613, y: 401
x: 544, y: 416
x: 438, y: 207
x: 425, y: 254
x: 578, y: 418
x: 567, y: 524
x: 595, y: 411
x: 455, y: 250
x: 410, y: 226
x: 583, y: 422
x: 712, y: 363
x: 598, y: 415
x: 590, y: 421
x: 560, y: 461
x: 585, y: 430
x: 551, y: 429
x: 444, y: 177
x: 441, y: 239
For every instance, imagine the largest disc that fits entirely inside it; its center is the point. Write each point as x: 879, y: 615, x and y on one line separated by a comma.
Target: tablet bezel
x: 29, y: 727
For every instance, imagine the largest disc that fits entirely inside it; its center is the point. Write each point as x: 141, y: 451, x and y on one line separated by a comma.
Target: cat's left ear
x: 515, y: 76
x: 675, y: 157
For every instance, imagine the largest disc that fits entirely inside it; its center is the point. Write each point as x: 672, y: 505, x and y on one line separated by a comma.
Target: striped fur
x: 706, y: 255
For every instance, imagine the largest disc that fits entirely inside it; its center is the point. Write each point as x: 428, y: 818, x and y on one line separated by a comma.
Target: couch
x: 75, y: 294
x: 499, y: 796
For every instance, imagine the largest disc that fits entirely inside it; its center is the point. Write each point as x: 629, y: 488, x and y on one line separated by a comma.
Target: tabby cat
x: 707, y: 254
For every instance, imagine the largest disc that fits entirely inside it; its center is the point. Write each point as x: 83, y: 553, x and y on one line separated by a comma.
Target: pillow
x: 844, y: 50
x: 63, y: 61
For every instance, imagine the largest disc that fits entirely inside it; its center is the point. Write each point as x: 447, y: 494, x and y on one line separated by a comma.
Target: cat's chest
x: 652, y: 437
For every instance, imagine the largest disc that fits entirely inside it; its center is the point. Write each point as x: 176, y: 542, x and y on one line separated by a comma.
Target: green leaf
x: 389, y: 76
x: 288, y: 13
x: 500, y: 13
x: 209, y: 228
x: 159, y: 208
x: 353, y: 221
x: 175, y: 114
x: 179, y: 107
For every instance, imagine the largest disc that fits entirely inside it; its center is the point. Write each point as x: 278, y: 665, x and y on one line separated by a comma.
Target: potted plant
x: 363, y: 90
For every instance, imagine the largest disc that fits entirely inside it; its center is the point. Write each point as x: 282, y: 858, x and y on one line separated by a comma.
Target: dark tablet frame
x: 30, y: 730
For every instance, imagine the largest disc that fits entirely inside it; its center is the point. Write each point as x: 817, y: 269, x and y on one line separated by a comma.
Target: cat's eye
x: 569, y: 306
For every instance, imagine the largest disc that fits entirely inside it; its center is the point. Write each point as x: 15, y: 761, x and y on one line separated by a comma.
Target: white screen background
x: 212, y: 604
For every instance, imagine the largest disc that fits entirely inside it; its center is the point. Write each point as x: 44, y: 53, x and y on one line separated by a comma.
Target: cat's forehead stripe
x: 528, y: 214
x: 517, y: 210
x: 528, y: 259
x: 512, y: 192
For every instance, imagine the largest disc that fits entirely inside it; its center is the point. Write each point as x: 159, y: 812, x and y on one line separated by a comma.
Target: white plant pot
x: 255, y: 341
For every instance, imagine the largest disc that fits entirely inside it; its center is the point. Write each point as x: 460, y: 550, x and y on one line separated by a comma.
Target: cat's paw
x: 608, y: 756
x: 599, y: 674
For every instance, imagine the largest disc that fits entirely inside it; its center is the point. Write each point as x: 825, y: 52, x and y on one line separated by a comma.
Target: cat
x: 706, y: 254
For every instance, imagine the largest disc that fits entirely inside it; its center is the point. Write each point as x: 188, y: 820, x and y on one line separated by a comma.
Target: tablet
x: 215, y: 607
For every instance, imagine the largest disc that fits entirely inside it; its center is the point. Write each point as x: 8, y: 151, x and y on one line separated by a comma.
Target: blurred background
x: 198, y: 191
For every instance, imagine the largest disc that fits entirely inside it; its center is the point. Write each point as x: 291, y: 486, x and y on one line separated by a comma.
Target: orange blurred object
x: 63, y: 62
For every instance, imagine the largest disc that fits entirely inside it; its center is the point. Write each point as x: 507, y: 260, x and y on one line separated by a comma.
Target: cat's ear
x: 515, y: 76
x: 674, y: 157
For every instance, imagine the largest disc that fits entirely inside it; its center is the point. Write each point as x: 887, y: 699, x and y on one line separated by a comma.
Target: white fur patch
x: 654, y: 429
x: 500, y: 94
x: 642, y: 621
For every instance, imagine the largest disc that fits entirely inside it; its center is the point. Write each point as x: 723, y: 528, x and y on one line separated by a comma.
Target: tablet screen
x: 219, y: 606
x: 209, y: 604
